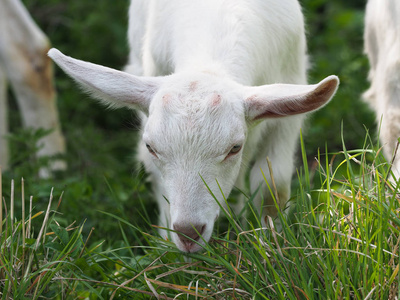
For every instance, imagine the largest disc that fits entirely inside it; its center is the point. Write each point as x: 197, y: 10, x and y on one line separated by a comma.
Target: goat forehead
x: 202, y: 86
x: 204, y: 123
x: 197, y: 94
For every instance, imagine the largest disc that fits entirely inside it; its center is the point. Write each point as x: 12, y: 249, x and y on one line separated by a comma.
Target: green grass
x: 340, y: 239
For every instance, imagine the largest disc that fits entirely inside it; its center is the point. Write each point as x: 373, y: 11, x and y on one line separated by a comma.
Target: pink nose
x: 188, y: 233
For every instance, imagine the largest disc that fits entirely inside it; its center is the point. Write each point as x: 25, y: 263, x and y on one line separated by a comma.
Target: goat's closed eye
x: 151, y: 150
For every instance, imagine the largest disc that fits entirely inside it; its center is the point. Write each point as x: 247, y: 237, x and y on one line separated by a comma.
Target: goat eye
x: 235, y: 149
x: 151, y: 150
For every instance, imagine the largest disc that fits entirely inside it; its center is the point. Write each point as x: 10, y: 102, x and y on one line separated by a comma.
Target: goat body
x: 197, y: 72
x: 382, y: 45
x: 23, y: 61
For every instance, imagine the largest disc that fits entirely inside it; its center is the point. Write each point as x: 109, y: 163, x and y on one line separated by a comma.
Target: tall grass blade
x: 305, y: 163
x: 12, y: 206
x: 23, y: 212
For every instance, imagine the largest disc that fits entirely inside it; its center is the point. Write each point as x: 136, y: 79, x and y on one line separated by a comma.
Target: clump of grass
x: 340, y: 240
x: 32, y: 262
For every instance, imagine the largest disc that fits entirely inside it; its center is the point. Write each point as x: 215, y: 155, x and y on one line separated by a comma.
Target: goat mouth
x: 190, y: 248
x: 191, y: 245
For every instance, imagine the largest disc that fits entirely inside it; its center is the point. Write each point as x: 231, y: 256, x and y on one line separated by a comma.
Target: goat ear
x: 114, y: 88
x: 280, y: 100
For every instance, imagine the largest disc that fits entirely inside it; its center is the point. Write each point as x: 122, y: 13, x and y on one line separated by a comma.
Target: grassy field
x: 88, y: 232
x: 340, y: 240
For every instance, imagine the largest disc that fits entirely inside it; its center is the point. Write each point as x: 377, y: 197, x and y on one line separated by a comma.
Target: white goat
x: 23, y: 61
x: 382, y: 45
x: 210, y: 119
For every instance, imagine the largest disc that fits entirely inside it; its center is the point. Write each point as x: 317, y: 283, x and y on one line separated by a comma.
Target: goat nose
x: 188, y: 233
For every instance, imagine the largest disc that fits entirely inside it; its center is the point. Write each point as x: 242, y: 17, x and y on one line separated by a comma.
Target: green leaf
x: 61, y: 233
x: 82, y: 264
x: 55, y: 246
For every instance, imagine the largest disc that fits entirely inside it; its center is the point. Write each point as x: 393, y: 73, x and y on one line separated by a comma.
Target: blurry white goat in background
x: 382, y: 45
x: 24, y: 63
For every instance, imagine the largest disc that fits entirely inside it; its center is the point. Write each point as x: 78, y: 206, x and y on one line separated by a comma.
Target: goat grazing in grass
x: 23, y: 61
x: 207, y: 114
x: 382, y: 45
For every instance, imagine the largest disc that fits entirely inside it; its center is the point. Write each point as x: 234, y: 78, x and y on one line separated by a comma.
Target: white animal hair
x: 207, y: 113
x: 24, y: 63
x: 382, y: 45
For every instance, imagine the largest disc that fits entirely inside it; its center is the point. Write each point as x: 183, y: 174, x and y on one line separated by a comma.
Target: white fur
x: 218, y: 53
x: 23, y: 61
x: 382, y: 45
